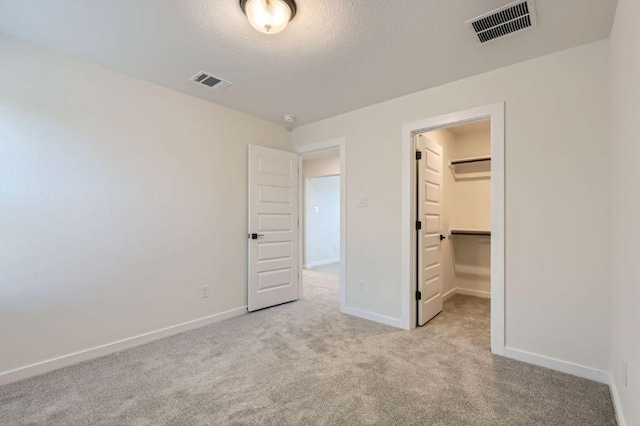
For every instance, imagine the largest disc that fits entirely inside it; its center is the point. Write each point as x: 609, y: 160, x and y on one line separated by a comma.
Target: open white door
x: 429, y: 205
x: 273, y: 227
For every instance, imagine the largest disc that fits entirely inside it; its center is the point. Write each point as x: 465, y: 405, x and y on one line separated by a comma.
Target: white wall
x: 119, y: 199
x: 322, y: 214
x: 324, y: 166
x: 557, y: 237
x: 625, y: 236
x: 472, y: 210
x: 471, y: 197
x: 472, y: 191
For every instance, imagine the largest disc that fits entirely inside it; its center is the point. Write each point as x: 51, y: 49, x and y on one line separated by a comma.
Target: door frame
x: 336, y: 143
x: 496, y: 113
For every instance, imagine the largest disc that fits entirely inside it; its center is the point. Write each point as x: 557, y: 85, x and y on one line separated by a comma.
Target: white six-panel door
x: 429, y: 242
x: 273, y: 227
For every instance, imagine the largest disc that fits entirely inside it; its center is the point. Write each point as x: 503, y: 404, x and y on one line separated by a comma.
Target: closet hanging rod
x: 469, y: 232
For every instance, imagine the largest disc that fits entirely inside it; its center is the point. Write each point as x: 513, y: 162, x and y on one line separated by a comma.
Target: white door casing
x: 273, y: 275
x: 429, y: 242
x: 496, y: 113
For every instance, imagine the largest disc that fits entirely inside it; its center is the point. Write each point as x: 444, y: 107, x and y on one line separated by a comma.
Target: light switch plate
x: 362, y: 201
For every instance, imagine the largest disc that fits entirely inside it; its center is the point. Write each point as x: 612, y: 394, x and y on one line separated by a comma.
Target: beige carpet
x: 304, y: 363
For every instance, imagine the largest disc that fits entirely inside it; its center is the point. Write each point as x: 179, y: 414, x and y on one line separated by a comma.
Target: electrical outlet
x: 204, y: 291
x: 624, y: 373
x: 363, y: 201
x: 361, y: 286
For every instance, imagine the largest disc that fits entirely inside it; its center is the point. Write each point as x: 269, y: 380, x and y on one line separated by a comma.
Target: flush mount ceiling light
x: 269, y: 16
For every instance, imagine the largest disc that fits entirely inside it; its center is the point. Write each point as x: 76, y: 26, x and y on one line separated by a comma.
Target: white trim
x: 339, y: 143
x: 476, y: 293
x: 558, y: 365
x: 495, y: 112
x: 321, y: 263
x: 383, y: 319
x: 109, y: 348
x: 302, y: 185
x: 617, y: 404
x: 466, y: 292
x: 449, y: 294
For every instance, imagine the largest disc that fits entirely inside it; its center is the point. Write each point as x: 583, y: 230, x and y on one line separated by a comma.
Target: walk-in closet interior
x: 464, y: 197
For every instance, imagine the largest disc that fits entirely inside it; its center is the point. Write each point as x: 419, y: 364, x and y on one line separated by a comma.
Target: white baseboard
x: 467, y: 292
x: 450, y: 293
x: 383, y: 319
x: 558, y: 365
x: 617, y: 404
x: 321, y: 262
x: 476, y: 293
x: 573, y: 369
x: 109, y: 348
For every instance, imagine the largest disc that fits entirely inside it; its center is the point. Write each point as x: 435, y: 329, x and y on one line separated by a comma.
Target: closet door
x: 429, y: 237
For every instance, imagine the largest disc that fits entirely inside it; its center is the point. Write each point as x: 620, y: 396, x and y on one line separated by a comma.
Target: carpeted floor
x: 304, y: 363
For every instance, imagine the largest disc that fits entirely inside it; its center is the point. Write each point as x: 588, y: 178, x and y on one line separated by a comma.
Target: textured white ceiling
x: 335, y: 56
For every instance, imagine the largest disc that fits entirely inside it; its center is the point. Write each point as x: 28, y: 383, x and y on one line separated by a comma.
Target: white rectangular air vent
x: 210, y: 81
x: 503, y: 21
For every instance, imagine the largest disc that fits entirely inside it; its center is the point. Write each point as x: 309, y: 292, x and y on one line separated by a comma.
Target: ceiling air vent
x: 503, y: 21
x: 210, y: 81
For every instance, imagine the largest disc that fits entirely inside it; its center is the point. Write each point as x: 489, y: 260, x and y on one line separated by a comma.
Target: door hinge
x: 418, y: 295
x: 418, y: 155
x: 418, y: 225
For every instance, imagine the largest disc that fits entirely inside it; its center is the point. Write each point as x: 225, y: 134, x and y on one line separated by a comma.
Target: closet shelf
x: 474, y: 164
x: 459, y: 231
x: 470, y: 160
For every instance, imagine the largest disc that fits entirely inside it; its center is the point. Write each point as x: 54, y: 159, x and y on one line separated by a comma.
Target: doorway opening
x: 453, y: 218
x: 453, y: 242
x: 322, y: 222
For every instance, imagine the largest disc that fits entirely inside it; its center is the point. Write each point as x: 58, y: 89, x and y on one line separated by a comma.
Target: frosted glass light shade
x: 268, y: 16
